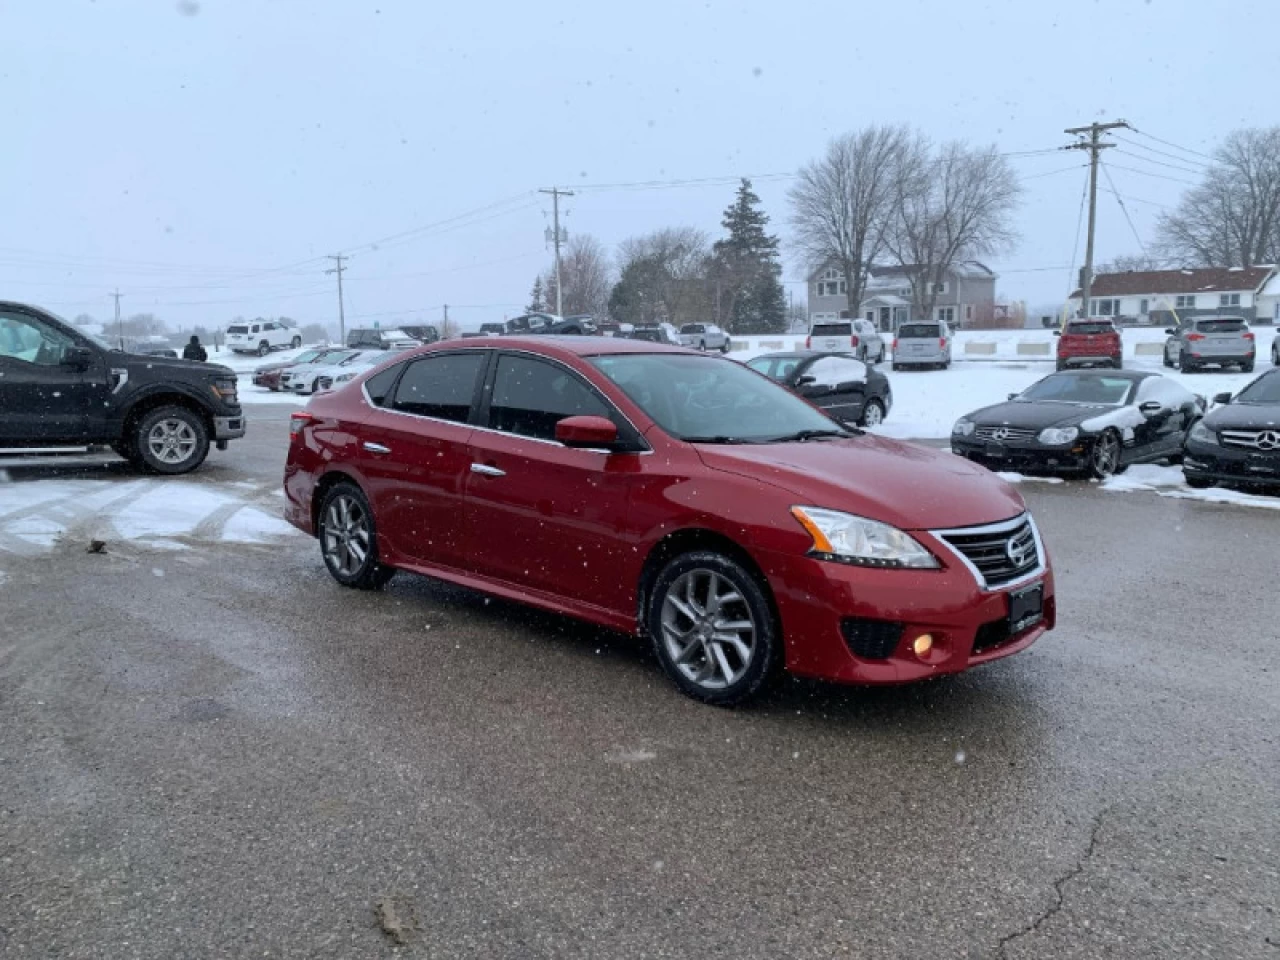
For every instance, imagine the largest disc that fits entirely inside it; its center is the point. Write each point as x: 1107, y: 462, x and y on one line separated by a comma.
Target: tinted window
x: 775, y: 368
x: 1221, y: 326
x: 379, y: 385
x: 1089, y: 328
x: 921, y: 331
x: 441, y: 387
x: 531, y: 396
x: 1266, y: 389
x: 832, y: 329
x: 1162, y: 390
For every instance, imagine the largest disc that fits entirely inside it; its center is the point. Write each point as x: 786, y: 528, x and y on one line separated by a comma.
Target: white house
x: 1156, y: 296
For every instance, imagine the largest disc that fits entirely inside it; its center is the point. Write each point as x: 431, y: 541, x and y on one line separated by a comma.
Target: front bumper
x: 1224, y: 464
x: 1070, y: 458
x: 815, y: 597
x: 229, y: 428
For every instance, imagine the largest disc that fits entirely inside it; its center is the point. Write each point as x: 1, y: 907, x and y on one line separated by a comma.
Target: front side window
x: 31, y: 340
x: 1266, y: 389
x: 531, y: 396
x: 1164, y: 391
x: 442, y: 387
x: 833, y: 371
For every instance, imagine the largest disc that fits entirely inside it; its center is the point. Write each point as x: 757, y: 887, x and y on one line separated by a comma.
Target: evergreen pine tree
x: 747, y: 268
x: 537, y: 298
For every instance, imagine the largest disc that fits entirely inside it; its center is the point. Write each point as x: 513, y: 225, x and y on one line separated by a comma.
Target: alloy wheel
x: 1106, y: 455
x: 172, y: 441
x: 873, y: 416
x: 708, y: 629
x: 346, y: 535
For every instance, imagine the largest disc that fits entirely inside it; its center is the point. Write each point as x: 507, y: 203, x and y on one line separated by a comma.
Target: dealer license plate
x: 1026, y: 608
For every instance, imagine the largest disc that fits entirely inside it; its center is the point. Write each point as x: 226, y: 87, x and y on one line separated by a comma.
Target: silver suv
x: 923, y: 344
x: 859, y: 337
x: 1199, y: 341
x: 704, y: 336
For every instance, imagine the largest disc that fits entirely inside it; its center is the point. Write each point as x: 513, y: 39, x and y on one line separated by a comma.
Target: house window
x: 968, y: 312
x: 940, y: 287
x: 1185, y: 302
x: 945, y: 314
x: 1144, y: 306
x: 1105, y: 308
x: 1229, y: 300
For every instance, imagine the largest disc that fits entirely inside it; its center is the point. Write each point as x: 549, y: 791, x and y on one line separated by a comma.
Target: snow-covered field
x: 156, y: 513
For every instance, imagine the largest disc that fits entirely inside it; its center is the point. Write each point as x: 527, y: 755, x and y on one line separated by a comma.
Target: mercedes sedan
x: 1091, y: 422
x: 1239, y: 441
x: 675, y: 495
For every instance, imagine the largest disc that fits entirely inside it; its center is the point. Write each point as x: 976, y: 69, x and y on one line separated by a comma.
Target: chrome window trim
x: 1004, y: 526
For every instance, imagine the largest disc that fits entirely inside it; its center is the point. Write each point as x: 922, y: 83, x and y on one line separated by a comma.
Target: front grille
x: 1006, y: 434
x: 871, y: 639
x: 1001, y: 553
x: 1252, y: 439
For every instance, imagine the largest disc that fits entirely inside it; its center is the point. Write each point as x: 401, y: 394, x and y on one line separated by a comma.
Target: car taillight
x: 298, y: 421
x: 1195, y: 336
x: 895, y: 344
x: 1248, y: 336
x: 808, y: 343
x: 853, y: 341
x: 942, y: 343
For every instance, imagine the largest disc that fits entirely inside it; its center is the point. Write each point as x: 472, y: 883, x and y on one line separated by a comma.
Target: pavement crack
x: 1059, y: 886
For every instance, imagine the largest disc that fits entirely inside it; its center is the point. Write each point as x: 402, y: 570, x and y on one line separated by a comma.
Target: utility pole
x: 556, y: 194
x: 119, y: 325
x: 1095, y: 146
x: 444, y: 324
x: 337, y: 259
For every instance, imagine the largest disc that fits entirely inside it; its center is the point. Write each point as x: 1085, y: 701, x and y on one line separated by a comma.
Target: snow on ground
x: 1169, y: 482
x: 36, y: 516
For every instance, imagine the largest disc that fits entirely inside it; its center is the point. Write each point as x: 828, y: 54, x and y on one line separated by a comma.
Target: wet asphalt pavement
x: 221, y: 753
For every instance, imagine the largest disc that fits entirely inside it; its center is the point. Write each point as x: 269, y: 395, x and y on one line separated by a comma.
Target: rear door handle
x: 485, y: 470
x: 376, y: 447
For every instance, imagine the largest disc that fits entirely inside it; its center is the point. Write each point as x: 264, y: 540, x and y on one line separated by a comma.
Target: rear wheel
x: 1167, y: 362
x: 169, y: 440
x: 713, y: 629
x: 1185, y: 365
x: 1247, y: 367
x: 296, y: 342
x: 1062, y: 365
x: 873, y: 414
x: 724, y: 347
x: 264, y: 348
x: 349, y: 541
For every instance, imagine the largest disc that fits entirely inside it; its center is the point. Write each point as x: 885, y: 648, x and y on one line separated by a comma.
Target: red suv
x: 676, y: 495
x: 1089, y: 343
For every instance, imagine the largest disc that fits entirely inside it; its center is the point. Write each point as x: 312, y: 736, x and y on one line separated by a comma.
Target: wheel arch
x: 327, y: 482
x: 143, y: 405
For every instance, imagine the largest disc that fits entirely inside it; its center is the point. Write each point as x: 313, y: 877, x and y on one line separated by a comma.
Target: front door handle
x: 376, y: 447
x: 486, y: 470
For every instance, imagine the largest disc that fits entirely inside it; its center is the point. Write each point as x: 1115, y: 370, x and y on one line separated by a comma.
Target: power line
x: 1168, y: 143
x: 1120, y: 200
x: 1133, y: 199
x: 1161, y: 163
x: 1051, y: 173
x: 454, y: 220
x: 1163, y: 153
x: 1158, y: 176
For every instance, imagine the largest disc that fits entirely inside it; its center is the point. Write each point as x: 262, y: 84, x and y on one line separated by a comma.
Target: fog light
x: 922, y: 644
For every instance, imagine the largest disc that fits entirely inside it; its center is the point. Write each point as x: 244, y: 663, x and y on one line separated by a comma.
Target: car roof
x: 803, y: 355
x: 562, y: 347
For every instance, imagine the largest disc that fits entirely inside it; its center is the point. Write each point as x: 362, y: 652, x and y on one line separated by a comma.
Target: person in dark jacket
x: 193, y: 350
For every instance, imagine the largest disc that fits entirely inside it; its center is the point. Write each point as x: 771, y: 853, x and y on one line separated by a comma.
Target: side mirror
x: 1057, y: 333
x: 78, y: 357
x: 582, y: 432
x: 1222, y: 397
x: 1168, y: 331
x: 806, y: 380
x: 1013, y: 396
x: 1152, y: 408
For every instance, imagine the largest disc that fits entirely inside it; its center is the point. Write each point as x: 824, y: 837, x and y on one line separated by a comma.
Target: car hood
x: 1036, y: 416
x: 1244, y: 416
x: 909, y: 486
x: 178, y: 366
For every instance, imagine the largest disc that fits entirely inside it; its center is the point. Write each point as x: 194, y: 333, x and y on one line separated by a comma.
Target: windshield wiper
x: 802, y: 435
x: 719, y: 438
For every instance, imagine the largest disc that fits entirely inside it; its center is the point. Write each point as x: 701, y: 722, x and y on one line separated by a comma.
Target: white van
x: 261, y: 337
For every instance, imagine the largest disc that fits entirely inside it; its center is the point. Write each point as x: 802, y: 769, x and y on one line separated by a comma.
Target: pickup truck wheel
x: 264, y: 348
x: 171, y: 440
x: 349, y: 540
x: 296, y: 342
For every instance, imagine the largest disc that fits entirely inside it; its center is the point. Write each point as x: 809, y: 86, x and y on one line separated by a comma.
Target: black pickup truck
x: 60, y: 387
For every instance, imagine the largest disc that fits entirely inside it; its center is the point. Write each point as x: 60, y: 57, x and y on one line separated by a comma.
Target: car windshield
x: 1221, y: 326
x: 711, y: 400
x: 919, y: 331
x: 1264, y: 390
x: 1082, y: 329
x: 1085, y: 387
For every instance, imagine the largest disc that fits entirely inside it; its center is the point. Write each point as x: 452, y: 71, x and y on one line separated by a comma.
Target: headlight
x: 225, y: 387
x: 963, y: 428
x: 1058, y: 435
x: 1202, y: 434
x: 857, y: 540
x: 344, y: 378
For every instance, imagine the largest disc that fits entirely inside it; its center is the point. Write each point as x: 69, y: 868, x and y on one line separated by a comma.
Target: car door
x: 43, y: 398
x: 545, y: 516
x: 412, y: 450
x: 1162, y: 430
x: 838, y: 386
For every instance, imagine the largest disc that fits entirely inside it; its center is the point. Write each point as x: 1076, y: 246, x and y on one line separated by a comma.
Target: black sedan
x: 1239, y: 441
x: 1095, y: 422
x: 839, y: 383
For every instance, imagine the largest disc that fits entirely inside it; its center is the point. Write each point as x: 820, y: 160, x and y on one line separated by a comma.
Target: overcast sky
x: 203, y: 156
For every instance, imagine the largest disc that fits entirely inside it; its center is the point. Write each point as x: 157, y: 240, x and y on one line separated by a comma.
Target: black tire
x: 724, y: 347
x: 896, y: 366
x: 867, y: 416
x: 358, y: 530
x: 264, y: 348
x: 1061, y: 365
x: 169, y: 440
x: 1117, y: 362
x: 296, y: 342
x: 1247, y: 367
x: 1099, y: 468
x: 1185, y: 365
x: 667, y: 623
x: 1165, y: 359
x: 1197, y: 483
x: 1275, y: 357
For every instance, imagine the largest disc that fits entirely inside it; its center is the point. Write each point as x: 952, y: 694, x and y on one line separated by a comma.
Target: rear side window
x: 379, y: 385
x: 920, y: 331
x: 832, y: 329
x: 441, y: 387
x: 1221, y: 326
x: 1089, y: 328
x: 531, y: 396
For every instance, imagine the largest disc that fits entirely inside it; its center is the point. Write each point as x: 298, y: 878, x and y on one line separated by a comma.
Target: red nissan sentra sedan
x: 676, y: 495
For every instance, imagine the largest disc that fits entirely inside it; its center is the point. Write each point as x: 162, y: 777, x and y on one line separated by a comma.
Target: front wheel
x: 296, y: 342
x: 349, y: 540
x: 873, y: 414
x: 170, y: 440
x: 1104, y: 461
x: 724, y: 347
x: 713, y: 629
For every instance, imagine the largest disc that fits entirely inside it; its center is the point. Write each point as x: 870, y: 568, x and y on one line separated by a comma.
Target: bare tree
x: 843, y: 203
x: 950, y: 205
x: 1232, y: 219
x: 1128, y: 263
x: 664, y: 276
x: 586, y: 274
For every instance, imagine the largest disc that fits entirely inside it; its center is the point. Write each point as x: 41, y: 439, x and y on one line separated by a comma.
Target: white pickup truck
x: 261, y: 337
